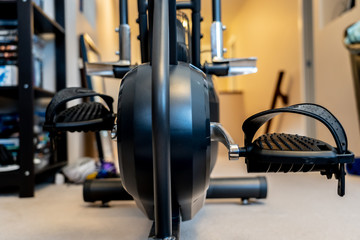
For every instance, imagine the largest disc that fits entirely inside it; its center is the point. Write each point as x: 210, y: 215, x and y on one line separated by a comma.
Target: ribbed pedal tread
x: 83, y: 112
x: 290, y: 142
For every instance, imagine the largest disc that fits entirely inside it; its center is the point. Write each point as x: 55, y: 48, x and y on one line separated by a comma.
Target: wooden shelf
x: 8, y: 9
x: 44, y: 24
x: 42, y: 93
x: 10, y: 178
x: 49, y: 167
x: 232, y: 92
x: 9, y: 92
x: 30, y: 19
x: 13, y: 92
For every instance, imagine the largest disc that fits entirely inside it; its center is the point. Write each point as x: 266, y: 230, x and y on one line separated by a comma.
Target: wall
x: 99, y: 21
x: 76, y: 24
x: 270, y: 31
x: 266, y: 29
x: 108, y: 40
x: 333, y: 77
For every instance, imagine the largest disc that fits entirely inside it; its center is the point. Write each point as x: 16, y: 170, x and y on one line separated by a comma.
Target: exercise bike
x: 166, y: 123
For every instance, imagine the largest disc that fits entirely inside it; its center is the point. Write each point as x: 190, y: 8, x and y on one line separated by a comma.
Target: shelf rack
x: 33, y: 20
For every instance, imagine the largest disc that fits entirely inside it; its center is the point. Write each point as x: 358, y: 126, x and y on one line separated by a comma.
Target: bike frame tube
x: 184, y: 5
x: 173, y: 32
x: 143, y: 31
x: 150, y: 8
x: 216, y: 10
x: 145, y: 34
x: 124, y: 33
x: 196, y: 32
x: 123, y: 5
x: 161, y: 120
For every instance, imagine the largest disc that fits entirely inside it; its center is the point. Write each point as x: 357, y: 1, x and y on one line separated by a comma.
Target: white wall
x: 270, y: 31
x: 75, y: 149
x: 75, y: 24
x: 333, y: 77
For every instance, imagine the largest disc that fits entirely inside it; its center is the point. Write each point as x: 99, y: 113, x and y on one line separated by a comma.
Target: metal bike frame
x: 161, y: 36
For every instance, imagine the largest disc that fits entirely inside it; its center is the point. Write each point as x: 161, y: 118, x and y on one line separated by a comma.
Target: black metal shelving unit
x: 32, y: 20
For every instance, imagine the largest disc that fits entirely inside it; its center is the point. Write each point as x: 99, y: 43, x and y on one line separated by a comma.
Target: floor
x: 298, y: 206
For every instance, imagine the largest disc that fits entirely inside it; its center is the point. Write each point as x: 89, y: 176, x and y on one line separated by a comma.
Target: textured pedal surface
x: 279, y: 152
x: 289, y: 142
x: 253, y: 123
x: 83, y: 112
x: 293, y: 153
x: 86, y: 116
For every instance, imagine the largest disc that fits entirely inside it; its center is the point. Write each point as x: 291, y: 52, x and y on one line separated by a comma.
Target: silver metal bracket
x: 239, y: 66
x: 219, y: 134
x: 217, y: 50
x: 232, y: 66
x: 104, y: 69
x: 114, y: 132
x: 124, y: 43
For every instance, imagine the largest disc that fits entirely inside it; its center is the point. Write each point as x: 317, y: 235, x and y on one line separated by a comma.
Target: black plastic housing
x: 189, y: 137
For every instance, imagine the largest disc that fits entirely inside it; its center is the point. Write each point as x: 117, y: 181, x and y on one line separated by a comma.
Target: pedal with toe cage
x: 276, y: 152
x: 280, y: 152
x: 83, y: 117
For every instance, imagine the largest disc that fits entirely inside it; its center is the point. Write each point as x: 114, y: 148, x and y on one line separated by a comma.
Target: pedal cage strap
x: 253, y: 123
x: 68, y: 94
x: 336, y: 162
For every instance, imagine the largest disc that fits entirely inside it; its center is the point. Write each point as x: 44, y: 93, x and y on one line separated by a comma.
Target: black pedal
x: 292, y: 153
x: 279, y: 152
x: 83, y: 117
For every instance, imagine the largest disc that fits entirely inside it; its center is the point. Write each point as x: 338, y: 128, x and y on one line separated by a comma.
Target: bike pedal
x: 279, y: 152
x: 83, y: 117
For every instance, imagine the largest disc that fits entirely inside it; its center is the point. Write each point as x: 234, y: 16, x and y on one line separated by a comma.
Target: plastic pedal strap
x: 68, y: 94
x: 253, y: 123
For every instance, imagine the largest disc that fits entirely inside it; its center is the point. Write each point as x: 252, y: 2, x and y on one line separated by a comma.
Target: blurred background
x: 303, y: 38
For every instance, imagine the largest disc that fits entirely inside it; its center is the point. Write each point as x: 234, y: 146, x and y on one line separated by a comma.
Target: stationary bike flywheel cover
x: 189, y: 137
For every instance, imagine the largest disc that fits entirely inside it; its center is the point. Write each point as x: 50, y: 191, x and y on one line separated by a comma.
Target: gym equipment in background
x: 352, y: 44
x: 88, y: 51
x: 277, y: 94
x: 164, y: 127
x: 111, y: 189
x: 243, y: 188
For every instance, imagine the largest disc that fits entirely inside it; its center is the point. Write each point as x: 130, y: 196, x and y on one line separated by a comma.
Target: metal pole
x: 161, y: 120
x: 216, y: 31
x: 216, y: 10
x: 173, y: 32
x: 123, y: 12
x: 143, y: 31
x: 124, y: 33
x: 184, y: 5
x: 196, y: 32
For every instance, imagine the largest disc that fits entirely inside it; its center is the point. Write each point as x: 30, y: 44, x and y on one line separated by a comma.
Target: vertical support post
x: 123, y: 12
x: 196, y: 32
x: 60, y: 53
x: 161, y: 120
x: 150, y: 8
x: 143, y: 31
x: 26, y: 97
x: 216, y: 10
x: 216, y: 32
x: 124, y: 34
x: 60, y: 48
x: 173, y: 32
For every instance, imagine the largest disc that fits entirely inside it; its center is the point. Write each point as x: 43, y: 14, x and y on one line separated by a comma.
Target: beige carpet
x: 299, y: 206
